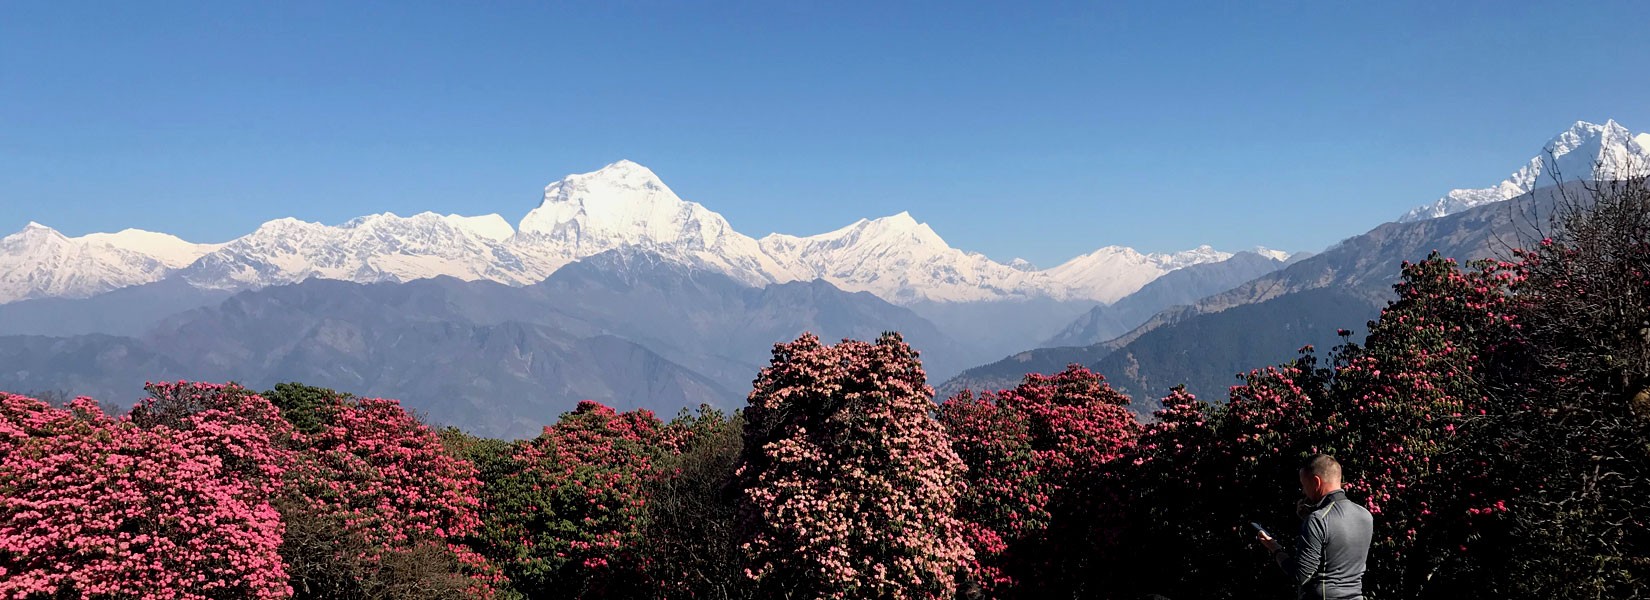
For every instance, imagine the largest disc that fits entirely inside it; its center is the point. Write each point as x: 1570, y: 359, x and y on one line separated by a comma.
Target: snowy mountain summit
x: 622, y: 205
x: 1585, y: 152
x: 623, y: 202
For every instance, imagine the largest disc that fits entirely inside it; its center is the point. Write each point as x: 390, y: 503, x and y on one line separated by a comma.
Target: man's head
x: 1320, y: 476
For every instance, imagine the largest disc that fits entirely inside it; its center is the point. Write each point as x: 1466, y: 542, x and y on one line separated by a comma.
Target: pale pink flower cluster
x: 850, y: 486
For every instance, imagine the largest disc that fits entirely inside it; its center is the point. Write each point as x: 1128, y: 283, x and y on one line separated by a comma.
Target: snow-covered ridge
x: 374, y: 248
x: 1585, y: 151
x: 169, y: 249
x: 621, y: 205
x: 1112, y: 272
x: 1277, y: 255
x: 39, y: 261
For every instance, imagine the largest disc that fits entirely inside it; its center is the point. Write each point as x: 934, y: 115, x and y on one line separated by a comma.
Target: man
x: 1333, y: 544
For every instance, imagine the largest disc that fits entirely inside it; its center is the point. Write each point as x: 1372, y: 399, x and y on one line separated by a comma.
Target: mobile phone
x: 1262, y: 530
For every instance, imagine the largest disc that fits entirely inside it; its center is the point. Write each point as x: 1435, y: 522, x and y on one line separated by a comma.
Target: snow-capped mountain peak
x: 1586, y: 151
x: 170, y: 250
x: 1277, y: 255
x: 625, y: 204
x: 1196, y: 256
x: 1112, y: 272
x: 901, y: 260
x: 620, y: 203
x: 904, y: 224
x: 372, y: 248
x: 622, y: 199
x: 31, y: 234
x: 895, y: 229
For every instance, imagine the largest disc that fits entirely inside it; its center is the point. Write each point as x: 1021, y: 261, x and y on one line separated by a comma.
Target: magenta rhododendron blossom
x: 572, y: 524
x: 98, y: 507
x: 1038, y: 454
x: 386, y: 477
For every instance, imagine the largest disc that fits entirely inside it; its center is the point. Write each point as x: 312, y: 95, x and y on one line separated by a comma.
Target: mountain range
x: 614, y: 288
x: 622, y: 205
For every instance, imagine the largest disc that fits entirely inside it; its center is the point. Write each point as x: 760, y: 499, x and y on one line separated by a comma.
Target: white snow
x: 1020, y: 264
x: 169, y: 249
x: 622, y: 205
x: 1112, y: 272
x: 381, y: 247
x: 1586, y: 151
x: 1277, y: 255
x: 492, y: 227
x: 625, y: 204
x: 40, y: 262
x: 900, y: 260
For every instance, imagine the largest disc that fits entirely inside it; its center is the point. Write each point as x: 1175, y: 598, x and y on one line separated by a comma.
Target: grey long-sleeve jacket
x: 1327, y: 562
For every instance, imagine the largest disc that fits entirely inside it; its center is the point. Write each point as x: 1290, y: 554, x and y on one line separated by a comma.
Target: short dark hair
x: 1322, y: 466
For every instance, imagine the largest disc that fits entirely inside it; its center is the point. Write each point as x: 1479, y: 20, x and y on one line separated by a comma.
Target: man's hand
x: 1266, y: 540
x: 1303, y: 508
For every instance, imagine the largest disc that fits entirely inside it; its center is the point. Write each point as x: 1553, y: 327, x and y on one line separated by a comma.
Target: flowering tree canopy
x: 98, y: 507
x: 849, y: 485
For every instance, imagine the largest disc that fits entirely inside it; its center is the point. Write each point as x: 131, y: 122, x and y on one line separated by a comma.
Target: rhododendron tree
x: 1006, y: 504
x: 569, y: 521
x: 23, y: 418
x: 1579, y: 407
x: 1042, y: 453
x: 849, y: 485
x: 306, y: 407
x: 1420, y: 423
x: 95, y: 507
x: 381, y: 475
x: 691, y: 547
x: 1178, y: 466
x: 243, y: 429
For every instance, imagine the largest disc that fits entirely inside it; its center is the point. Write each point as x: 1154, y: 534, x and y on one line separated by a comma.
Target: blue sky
x: 1040, y: 132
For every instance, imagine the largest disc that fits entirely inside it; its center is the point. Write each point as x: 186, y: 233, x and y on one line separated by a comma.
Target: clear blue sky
x: 1039, y: 133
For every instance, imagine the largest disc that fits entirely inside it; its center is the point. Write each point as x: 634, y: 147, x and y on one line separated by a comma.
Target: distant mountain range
x: 622, y: 205
x: 1183, y: 286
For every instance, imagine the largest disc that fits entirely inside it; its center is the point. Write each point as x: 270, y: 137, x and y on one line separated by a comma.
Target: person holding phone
x: 1332, y: 547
